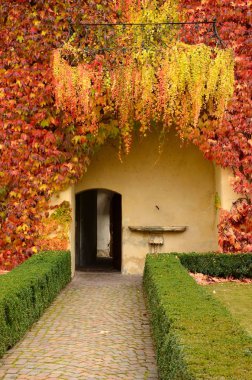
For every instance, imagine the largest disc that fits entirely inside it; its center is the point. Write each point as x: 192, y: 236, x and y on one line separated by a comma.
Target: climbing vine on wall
x: 54, y: 229
x: 229, y: 144
x: 45, y: 146
x: 171, y: 86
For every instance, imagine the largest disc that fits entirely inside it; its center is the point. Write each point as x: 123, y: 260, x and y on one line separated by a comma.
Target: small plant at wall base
x: 54, y: 230
x: 46, y: 144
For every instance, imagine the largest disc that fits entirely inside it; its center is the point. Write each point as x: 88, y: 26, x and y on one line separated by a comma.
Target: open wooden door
x: 116, y: 230
x: 86, y: 229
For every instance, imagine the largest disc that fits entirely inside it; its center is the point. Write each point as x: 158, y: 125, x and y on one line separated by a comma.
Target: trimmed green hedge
x: 195, y: 335
x: 26, y: 292
x: 219, y: 265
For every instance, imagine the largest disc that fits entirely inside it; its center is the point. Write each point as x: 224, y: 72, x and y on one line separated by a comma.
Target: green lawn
x: 238, y: 299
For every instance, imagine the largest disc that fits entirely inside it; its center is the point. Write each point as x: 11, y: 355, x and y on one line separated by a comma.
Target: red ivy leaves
x: 235, y: 228
x: 34, y: 141
x: 38, y: 154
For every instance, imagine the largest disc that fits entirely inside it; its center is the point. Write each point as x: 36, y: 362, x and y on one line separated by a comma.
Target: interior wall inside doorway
x: 98, y: 238
x: 103, y: 223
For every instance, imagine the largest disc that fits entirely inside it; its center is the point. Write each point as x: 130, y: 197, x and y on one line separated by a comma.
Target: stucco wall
x: 223, y: 178
x: 176, y: 187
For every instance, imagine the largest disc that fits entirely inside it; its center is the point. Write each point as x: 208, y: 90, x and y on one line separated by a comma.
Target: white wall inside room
x: 103, y: 223
x: 172, y: 188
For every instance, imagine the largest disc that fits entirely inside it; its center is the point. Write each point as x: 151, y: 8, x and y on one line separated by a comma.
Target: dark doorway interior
x: 98, y: 230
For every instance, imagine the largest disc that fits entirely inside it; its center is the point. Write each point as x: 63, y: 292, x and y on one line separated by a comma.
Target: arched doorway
x: 98, y: 230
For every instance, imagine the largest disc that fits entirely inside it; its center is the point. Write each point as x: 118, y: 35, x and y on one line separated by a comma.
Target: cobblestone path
x: 97, y: 328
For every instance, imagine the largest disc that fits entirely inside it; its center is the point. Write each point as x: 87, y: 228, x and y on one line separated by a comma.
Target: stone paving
x: 96, y: 329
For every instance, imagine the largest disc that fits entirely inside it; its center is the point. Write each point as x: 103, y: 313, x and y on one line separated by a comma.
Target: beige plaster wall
x: 176, y: 187
x: 223, y: 178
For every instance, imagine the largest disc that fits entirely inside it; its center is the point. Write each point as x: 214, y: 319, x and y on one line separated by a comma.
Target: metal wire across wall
x: 206, y: 32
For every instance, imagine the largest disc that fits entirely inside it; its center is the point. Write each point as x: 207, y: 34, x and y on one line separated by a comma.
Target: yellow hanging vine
x: 173, y: 86
x: 146, y: 75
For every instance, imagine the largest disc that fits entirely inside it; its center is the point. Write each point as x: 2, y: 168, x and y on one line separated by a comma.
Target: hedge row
x: 27, y: 290
x: 219, y: 265
x: 196, y: 337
